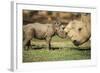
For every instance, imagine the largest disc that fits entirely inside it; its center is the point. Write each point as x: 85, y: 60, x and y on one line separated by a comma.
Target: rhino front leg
x: 48, y: 40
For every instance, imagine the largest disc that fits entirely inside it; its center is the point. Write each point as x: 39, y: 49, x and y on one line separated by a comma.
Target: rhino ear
x: 85, y: 17
x: 54, y: 22
x: 58, y: 23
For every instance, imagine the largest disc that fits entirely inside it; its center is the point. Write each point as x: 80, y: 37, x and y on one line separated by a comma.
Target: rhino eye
x: 79, y: 29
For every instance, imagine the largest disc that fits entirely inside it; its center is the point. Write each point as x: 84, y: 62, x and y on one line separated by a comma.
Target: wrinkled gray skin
x: 42, y: 31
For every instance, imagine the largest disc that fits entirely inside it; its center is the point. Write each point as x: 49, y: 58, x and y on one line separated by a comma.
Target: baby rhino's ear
x: 54, y: 23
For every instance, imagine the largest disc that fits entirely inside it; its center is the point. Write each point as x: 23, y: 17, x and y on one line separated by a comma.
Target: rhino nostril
x: 66, y: 33
x: 76, y: 42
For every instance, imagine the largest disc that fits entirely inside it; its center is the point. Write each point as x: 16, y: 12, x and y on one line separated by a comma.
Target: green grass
x: 63, y: 49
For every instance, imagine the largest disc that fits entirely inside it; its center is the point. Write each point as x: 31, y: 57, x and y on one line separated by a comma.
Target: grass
x: 63, y: 49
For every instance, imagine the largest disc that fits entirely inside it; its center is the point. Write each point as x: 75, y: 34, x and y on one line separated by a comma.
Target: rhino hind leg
x: 26, y: 44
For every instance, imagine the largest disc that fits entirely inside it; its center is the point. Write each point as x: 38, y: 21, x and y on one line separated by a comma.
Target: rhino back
x: 42, y: 30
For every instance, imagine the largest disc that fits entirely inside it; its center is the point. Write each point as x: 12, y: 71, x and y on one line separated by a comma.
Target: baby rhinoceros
x: 42, y: 31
